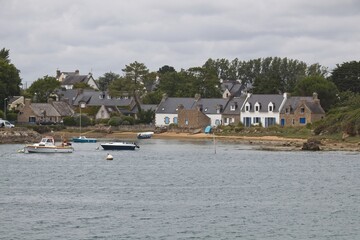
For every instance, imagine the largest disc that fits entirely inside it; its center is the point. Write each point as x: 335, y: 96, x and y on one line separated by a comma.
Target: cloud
x: 103, y: 36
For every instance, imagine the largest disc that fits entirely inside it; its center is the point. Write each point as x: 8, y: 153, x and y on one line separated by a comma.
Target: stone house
x: 299, y: 111
x: 69, y: 79
x: 231, y: 113
x: 51, y: 112
x: 192, y: 118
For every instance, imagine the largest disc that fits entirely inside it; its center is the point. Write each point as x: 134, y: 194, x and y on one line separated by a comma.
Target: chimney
x: 50, y: 100
x: 58, y: 73
x: 219, y: 108
x: 180, y: 107
x: 315, y: 96
x: 199, y: 107
x: 164, y: 97
x: 77, y: 72
x: 197, y: 97
x: 27, y: 102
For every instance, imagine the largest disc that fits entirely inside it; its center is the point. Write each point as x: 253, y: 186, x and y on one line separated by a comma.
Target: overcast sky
x: 105, y: 35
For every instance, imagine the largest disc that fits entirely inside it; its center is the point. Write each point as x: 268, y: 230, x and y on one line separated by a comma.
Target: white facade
x: 165, y: 119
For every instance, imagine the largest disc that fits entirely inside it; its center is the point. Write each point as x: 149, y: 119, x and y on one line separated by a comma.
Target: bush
x: 127, y: 120
x: 115, y: 121
x: 69, y: 121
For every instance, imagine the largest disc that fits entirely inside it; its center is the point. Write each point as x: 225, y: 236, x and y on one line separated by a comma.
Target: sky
x: 100, y: 36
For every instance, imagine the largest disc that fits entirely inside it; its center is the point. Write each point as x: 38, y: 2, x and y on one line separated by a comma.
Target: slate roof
x: 67, y: 94
x: 73, y: 79
x: 39, y: 108
x: 96, y: 98
x: 264, y: 100
x: 233, y: 86
x: 210, y: 105
x: 63, y: 108
x: 294, y: 102
x: 171, y: 104
x: 238, y: 101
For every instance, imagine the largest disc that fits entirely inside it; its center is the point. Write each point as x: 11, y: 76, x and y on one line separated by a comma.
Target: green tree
x: 165, y: 69
x: 326, y: 90
x: 106, y: 80
x: 347, y: 76
x: 10, y: 80
x: 82, y: 85
x: 42, y: 88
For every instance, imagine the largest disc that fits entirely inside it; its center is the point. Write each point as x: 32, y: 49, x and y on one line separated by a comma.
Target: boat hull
x: 47, y: 149
x: 80, y: 140
x: 145, y: 135
x: 119, y: 146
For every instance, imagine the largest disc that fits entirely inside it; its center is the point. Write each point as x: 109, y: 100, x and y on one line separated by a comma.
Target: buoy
x: 109, y: 157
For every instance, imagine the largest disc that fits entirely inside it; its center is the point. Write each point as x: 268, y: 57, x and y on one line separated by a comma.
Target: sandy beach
x: 271, y: 143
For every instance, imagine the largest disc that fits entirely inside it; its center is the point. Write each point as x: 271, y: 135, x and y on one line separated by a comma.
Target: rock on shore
x: 18, y: 135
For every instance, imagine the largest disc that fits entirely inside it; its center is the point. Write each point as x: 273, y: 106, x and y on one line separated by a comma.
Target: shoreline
x: 269, y: 143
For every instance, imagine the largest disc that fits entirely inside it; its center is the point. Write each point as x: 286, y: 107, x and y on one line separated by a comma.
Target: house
x: 231, y: 113
x: 231, y: 88
x: 262, y: 109
x: 106, y: 112
x: 69, y: 79
x: 167, y: 111
x: 51, y: 112
x: 16, y: 103
x: 192, y: 118
x: 298, y: 111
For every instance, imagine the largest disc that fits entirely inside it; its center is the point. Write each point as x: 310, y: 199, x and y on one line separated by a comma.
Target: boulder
x: 311, y: 145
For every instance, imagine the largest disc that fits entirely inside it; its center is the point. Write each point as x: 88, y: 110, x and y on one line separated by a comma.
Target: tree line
x: 270, y: 75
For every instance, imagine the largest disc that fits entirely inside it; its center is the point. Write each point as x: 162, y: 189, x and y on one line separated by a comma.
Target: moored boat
x: 119, y: 146
x: 145, y: 135
x: 83, y: 139
x: 47, y: 145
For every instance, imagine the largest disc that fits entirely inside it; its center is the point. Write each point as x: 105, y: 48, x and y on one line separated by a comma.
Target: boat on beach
x: 145, y: 135
x: 119, y: 146
x: 47, y: 145
x: 83, y: 139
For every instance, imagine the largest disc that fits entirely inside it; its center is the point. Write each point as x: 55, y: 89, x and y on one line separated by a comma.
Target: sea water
x: 172, y: 189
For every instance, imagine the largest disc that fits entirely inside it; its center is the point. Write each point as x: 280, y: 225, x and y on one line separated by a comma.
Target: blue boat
x: 83, y: 139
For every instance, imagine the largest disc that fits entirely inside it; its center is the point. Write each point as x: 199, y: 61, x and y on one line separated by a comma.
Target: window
x: 175, y: 120
x: 225, y: 120
x: 247, y: 121
x: 256, y: 120
x: 270, y: 121
x: 186, y: 122
x: 217, y: 122
x: 257, y: 107
x: 293, y: 121
x: 247, y: 107
x: 287, y: 110
x: 302, y: 110
x: 302, y: 120
x: 167, y: 120
x: 205, y: 110
x: 232, y: 108
x: 271, y: 107
x: 32, y: 119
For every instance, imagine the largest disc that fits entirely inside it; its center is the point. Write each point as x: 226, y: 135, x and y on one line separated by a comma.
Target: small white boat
x: 47, y: 145
x: 145, y: 135
x: 119, y: 146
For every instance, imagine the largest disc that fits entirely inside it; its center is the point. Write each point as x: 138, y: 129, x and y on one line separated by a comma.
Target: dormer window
x: 163, y: 109
x: 247, y: 107
x: 232, y: 107
x: 176, y: 109
x: 271, y: 107
x: 302, y: 110
x: 82, y: 105
x: 205, y: 110
x: 108, y: 97
x: 257, y: 107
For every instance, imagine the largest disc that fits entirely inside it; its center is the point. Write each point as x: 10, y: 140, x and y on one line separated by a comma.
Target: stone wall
x: 19, y: 135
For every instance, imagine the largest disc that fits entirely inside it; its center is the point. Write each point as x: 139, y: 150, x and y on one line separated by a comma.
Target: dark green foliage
x: 85, y: 120
x: 42, y: 88
x: 106, y: 80
x: 115, y: 121
x: 345, y: 118
x: 146, y: 117
x: 11, y: 116
x: 326, y: 90
x: 69, y: 121
x: 347, y: 76
x: 10, y: 80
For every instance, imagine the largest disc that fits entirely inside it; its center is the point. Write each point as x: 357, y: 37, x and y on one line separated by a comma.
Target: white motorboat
x: 47, y: 145
x: 145, y: 135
